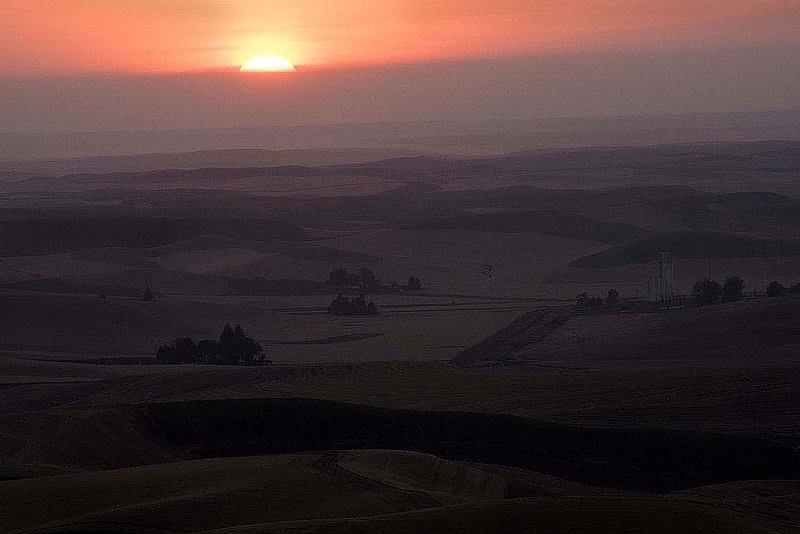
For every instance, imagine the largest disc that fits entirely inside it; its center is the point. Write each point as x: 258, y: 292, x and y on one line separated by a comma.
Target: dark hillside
x: 657, y: 460
x: 543, y: 222
x: 55, y: 235
x: 689, y: 245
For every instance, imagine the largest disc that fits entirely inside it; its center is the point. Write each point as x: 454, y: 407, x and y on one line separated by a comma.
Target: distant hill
x: 762, y: 213
x: 232, y: 158
x: 531, y: 198
x: 272, y: 287
x: 688, y: 245
x: 55, y: 235
x: 543, y: 222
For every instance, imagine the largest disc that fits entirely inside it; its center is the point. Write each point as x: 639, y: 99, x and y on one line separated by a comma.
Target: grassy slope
x: 589, y: 515
x: 751, y: 330
x: 709, y: 397
x: 234, y: 491
x: 368, y: 491
x: 93, y: 438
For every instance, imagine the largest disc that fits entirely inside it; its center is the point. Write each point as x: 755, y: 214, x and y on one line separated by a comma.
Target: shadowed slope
x: 637, y: 459
x: 543, y: 222
x: 575, y: 515
x: 689, y: 245
x: 50, y: 236
x: 218, y: 493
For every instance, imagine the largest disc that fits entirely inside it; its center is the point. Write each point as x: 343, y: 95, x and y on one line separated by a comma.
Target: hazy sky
x: 97, y: 64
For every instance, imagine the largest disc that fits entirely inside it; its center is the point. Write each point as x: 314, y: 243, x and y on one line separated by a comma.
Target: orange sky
x: 79, y: 36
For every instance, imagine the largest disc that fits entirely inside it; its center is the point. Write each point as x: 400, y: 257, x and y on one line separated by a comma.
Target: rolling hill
x: 543, y: 222
x: 53, y: 235
x: 689, y: 245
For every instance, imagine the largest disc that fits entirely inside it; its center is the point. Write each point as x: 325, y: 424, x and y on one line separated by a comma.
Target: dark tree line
x: 585, y: 301
x: 342, y: 278
x: 776, y: 289
x: 233, y: 348
x: 365, y: 280
x: 707, y: 291
x: 355, y: 306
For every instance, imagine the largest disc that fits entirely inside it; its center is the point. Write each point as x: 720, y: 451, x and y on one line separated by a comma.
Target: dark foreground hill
x: 269, y: 463
x: 652, y: 460
x: 370, y: 491
x: 655, y: 460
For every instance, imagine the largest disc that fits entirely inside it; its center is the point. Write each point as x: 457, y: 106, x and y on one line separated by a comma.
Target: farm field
x: 482, y: 399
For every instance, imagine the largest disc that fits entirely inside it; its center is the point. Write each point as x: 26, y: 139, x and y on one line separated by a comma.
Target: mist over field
x: 598, y: 84
x: 358, y: 143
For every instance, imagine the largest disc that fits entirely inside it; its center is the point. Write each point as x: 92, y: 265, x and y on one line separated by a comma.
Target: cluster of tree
x: 708, y: 291
x: 611, y: 300
x: 776, y: 289
x: 355, y: 306
x: 233, y: 348
x: 414, y: 284
x: 794, y: 289
x: 364, y: 279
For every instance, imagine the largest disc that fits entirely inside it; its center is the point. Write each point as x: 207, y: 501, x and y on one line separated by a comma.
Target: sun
x: 268, y: 64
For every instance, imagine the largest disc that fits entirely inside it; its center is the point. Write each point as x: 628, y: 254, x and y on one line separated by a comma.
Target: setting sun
x: 268, y: 64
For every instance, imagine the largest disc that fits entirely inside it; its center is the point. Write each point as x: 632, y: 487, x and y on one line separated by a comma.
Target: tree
x: 585, y: 301
x: 414, y: 283
x: 613, y: 297
x: 368, y: 280
x: 732, y: 289
x: 185, y: 350
x: 165, y: 354
x: 182, y: 350
x: 775, y: 289
x: 227, y: 334
x: 707, y: 292
x: 208, y: 351
x: 147, y: 296
x: 342, y: 278
x: 236, y: 348
x: 238, y: 332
